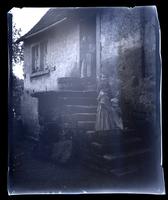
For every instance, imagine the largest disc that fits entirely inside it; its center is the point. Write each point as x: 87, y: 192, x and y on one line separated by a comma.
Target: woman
x: 107, y: 114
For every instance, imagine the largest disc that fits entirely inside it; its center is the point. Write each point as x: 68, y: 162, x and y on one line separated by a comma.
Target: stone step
x: 115, y: 164
x: 81, y: 108
x: 96, y: 167
x: 72, y: 93
x: 77, y: 101
x: 87, y: 125
x: 68, y: 83
x: 117, y: 157
x: 113, y: 170
x: 81, y: 116
x: 127, y: 147
x: 89, y: 134
x: 125, y: 155
x: 121, y: 169
x: 111, y: 148
x: 83, y: 125
x: 76, y: 82
x: 97, y: 148
x: 124, y: 171
x: 116, y: 139
x: 125, y: 142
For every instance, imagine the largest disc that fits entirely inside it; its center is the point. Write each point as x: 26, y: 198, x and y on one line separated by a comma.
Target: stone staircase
x: 78, y: 97
x: 79, y: 110
x: 116, y: 153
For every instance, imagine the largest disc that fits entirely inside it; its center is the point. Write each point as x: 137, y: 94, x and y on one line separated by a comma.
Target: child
x: 108, y: 110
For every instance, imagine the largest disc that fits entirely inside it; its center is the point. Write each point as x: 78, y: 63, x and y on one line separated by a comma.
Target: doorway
x: 88, y: 47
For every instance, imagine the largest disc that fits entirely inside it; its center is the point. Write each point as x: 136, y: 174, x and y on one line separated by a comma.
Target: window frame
x: 41, y: 59
x: 33, y: 57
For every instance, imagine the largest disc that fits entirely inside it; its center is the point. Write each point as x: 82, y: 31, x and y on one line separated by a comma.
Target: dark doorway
x: 88, y: 47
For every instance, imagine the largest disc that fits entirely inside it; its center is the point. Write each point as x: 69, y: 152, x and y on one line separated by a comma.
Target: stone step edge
x: 81, y: 106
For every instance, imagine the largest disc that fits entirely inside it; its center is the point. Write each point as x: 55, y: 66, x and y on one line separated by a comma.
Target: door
x: 88, y: 47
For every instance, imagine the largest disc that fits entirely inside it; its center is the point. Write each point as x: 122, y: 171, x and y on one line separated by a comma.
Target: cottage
x: 69, y: 49
x: 67, y: 52
x: 60, y: 55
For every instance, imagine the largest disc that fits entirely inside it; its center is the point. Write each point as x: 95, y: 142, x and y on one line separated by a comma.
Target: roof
x: 55, y: 16
x: 51, y: 18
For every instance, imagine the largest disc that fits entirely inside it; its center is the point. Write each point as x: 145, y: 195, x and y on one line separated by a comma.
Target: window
x: 35, y: 58
x: 39, y: 53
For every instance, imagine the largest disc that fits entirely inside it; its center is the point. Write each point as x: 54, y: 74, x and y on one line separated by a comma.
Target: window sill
x: 40, y: 73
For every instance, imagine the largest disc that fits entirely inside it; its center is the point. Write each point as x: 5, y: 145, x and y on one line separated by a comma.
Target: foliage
x: 17, y: 90
x: 17, y: 58
x: 147, y: 94
x: 17, y: 47
x: 136, y: 90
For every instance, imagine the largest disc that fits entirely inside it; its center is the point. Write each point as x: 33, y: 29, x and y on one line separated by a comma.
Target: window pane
x: 35, y: 58
x: 43, y: 52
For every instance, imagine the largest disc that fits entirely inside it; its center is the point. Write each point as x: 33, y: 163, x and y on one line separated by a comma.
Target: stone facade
x: 62, y: 58
x: 125, y: 50
x: 128, y: 56
x: 63, y: 61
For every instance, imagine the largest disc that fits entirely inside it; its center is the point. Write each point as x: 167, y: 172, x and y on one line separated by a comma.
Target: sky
x: 25, y: 18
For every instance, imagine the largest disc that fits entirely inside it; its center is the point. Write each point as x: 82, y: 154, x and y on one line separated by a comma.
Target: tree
x: 17, y: 91
x: 17, y: 47
x: 17, y: 58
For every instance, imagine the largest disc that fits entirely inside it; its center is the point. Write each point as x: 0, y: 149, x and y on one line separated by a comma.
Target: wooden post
x: 10, y: 113
x: 98, y: 43
x: 9, y: 18
x: 10, y: 76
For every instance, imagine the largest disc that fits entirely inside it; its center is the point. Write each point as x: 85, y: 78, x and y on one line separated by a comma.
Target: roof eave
x: 40, y: 31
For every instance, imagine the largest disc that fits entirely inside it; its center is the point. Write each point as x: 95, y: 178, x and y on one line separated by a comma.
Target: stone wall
x: 29, y: 112
x: 120, y: 33
x: 128, y: 56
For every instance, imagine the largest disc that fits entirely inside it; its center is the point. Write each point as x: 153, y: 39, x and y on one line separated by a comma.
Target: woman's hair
x: 105, y: 86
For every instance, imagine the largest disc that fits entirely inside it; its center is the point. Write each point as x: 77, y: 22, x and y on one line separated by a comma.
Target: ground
x: 32, y: 174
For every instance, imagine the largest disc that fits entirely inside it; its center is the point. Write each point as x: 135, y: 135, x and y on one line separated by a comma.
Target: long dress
x: 104, y: 121
x: 108, y: 115
x: 86, y: 66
